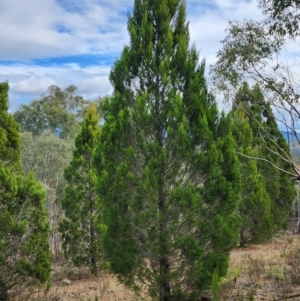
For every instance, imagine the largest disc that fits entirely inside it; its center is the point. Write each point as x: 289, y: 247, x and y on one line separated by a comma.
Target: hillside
x: 259, y: 272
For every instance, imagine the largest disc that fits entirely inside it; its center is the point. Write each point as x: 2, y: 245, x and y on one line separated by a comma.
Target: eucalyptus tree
x: 167, y: 171
x: 47, y: 156
x: 24, y: 227
x: 283, y: 16
x: 59, y: 111
x: 81, y: 227
x: 252, y: 51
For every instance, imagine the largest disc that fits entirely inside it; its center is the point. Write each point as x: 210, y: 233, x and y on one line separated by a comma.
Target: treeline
x: 161, y: 189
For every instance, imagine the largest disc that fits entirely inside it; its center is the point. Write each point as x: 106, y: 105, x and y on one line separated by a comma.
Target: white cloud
x: 29, y: 81
x: 34, y: 85
x: 208, y: 30
x: 31, y: 29
x: 90, y: 87
x: 43, y: 29
x: 34, y: 30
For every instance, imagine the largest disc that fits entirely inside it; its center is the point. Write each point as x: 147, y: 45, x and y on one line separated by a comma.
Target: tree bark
x: 242, y: 238
x: 3, y: 291
x: 93, y: 257
x: 165, y: 288
x: 92, y: 229
x: 164, y: 285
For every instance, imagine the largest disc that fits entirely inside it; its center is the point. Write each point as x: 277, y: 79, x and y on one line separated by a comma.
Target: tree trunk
x: 242, y: 238
x: 165, y: 289
x: 164, y: 285
x: 3, y: 291
x: 92, y: 251
x: 93, y: 260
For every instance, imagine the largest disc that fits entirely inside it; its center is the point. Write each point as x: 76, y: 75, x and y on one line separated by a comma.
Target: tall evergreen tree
x: 81, y: 229
x: 255, y: 205
x: 24, y: 228
x: 166, y: 164
x: 269, y: 143
x: 252, y: 51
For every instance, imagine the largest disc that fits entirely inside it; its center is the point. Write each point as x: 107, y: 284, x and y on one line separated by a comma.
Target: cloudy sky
x: 63, y: 42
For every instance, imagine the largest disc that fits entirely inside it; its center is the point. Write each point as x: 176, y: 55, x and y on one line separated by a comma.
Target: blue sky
x: 63, y: 42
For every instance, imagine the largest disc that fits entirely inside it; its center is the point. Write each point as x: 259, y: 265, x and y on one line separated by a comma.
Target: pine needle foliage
x: 167, y: 170
x: 269, y: 143
x: 81, y: 230
x: 255, y: 205
x: 24, y: 227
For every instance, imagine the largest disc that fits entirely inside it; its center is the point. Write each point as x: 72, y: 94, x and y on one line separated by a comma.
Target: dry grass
x: 264, y: 272
x: 82, y: 287
x: 104, y: 288
x: 259, y: 272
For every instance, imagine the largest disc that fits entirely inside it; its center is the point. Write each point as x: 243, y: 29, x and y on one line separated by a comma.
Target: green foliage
x: 47, y: 156
x: 255, y: 206
x: 81, y: 228
x: 233, y: 273
x: 24, y: 228
x: 267, y: 143
x: 251, y: 296
x: 57, y: 112
x: 216, y: 286
x: 251, y: 52
x: 247, y: 50
x: 283, y: 16
x: 276, y: 272
x: 166, y: 165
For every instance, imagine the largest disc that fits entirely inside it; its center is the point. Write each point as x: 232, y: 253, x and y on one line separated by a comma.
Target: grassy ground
x: 264, y: 272
x: 258, y: 272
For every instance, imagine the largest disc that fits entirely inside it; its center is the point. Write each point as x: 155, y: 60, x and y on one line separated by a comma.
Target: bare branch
x: 268, y: 161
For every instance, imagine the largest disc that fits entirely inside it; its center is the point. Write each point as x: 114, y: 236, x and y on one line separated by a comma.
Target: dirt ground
x: 268, y: 271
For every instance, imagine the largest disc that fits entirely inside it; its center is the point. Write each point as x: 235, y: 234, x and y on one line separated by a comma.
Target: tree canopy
x: 81, y: 227
x: 24, y: 227
x: 283, y: 16
x: 167, y: 170
x: 251, y: 52
x: 57, y: 112
x: 255, y: 205
x: 47, y: 156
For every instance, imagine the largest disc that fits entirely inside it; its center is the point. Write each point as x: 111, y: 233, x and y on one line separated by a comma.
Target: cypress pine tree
x: 269, y: 144
x: 81, y: 229
x: 167, y: 171
x: 24, y: 228
x: 255, y: 206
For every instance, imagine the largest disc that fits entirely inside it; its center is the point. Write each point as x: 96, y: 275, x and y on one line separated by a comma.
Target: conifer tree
x: 255, y: 205
x: 81, y: 229
x: 269, y: 143
x: 24, y: 228
x: 166, y: 164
